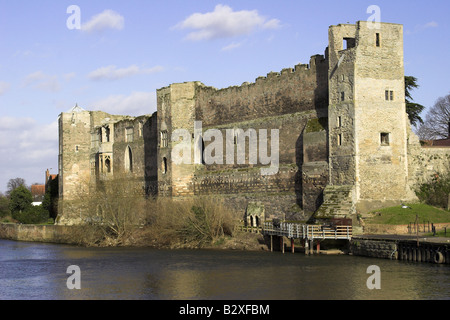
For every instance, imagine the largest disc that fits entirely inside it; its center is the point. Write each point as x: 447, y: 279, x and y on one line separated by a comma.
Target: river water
x: 31, y: 271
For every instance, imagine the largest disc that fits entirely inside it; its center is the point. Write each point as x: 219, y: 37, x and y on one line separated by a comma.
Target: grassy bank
x: 401, y: 216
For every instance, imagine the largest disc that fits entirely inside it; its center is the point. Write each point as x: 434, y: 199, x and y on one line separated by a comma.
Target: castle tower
x: 176, y: 113
x: 74, y: 154
x: 367, y: 119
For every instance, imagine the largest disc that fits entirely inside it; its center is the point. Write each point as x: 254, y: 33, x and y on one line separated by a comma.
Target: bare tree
x: 437, y: 122
x: 13, y: 184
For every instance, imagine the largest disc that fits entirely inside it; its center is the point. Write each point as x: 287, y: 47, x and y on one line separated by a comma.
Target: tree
x: 20, y: 200
x: 50, y: 202
x: 412, y: 109
x: 14, y: 184
x: 4, y: 206
x: 437, y: 122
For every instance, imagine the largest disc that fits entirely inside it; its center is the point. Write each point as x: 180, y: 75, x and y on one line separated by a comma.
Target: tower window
x: 339, y: 139
x: 164, y: 165
x: 377, y: 40
x: 164, y: 139
x: 129, y: 134
x: 339, y: 121
x: 384, y: 137
x: 342, y: 96
x: 389, y: 95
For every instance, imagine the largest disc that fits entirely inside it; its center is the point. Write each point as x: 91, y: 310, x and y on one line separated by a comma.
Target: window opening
x: 384, y: 137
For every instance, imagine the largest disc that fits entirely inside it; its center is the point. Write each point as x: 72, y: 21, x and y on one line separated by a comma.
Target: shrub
x: 4, y: 206
x: 32, y: 215
x: 435, y: 192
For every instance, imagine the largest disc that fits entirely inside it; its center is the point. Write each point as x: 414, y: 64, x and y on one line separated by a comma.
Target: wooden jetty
x: 306, y: 233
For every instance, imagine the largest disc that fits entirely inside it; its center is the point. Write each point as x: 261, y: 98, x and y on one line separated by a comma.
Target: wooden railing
x: 310, y: 232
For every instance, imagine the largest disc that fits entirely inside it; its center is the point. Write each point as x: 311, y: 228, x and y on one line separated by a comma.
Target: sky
x: 113, y: 55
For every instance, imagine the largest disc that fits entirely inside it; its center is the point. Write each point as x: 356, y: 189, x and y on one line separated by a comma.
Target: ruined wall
x: 134, y: 150
x: 292, y: 90
x: 427, y: 162
x: 283, y: 101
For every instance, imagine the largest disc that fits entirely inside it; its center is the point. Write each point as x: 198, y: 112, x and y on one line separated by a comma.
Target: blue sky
x: 126, y: 50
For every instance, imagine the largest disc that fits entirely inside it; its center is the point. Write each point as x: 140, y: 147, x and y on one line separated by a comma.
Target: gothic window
x: 164, y: 139
x: 141, y: 129
x: 129, y: 134
x: 107, y: 134
x: 108, y: 164
x: 128, y: 160
x: 164, y: 165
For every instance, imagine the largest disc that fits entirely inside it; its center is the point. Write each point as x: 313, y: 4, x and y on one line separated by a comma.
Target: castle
x: 344, y: 144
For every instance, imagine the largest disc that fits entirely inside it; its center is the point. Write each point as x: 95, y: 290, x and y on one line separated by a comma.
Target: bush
x: 20, y: 200
x: 32, y: 215
x: 195, y: 222
x: 436, y: 192
x: 4, y: 206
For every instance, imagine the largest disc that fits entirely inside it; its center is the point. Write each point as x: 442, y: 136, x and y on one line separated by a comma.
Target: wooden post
x: 282, y: 244
x: 311, y: 244
x: 306, y: 247
x: 271, y: 243
x: 318, y: 247
x: 292, y: 245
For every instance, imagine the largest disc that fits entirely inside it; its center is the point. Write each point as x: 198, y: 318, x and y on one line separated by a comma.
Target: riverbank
x: 142, y: 237
x: 383, y: 246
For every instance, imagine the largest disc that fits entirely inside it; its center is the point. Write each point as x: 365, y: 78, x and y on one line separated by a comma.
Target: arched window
x: 128, y: 160
x: 164, y: 165
x: 108, y: 164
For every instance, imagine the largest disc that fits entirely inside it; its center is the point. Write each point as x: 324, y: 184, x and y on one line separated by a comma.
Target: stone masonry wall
x: 293, y: 90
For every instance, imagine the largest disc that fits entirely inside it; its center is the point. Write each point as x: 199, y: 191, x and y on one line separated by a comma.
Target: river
x: 37, y: 271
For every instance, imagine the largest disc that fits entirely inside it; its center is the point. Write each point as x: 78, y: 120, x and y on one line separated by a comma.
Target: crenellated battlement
x: 269, y: 95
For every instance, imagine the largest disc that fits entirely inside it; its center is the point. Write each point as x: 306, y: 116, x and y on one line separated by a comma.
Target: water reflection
x: 38, y: 271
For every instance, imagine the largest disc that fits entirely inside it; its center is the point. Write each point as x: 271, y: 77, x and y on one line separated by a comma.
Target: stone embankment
x: 401, y: 247
x: 37, y: 233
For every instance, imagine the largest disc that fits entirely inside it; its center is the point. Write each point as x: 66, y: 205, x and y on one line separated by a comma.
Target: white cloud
x: 432, y: 24
x: 223, y: 22
x: 42, y: 81
x: 420, y: 27
x: 69, y: 76
x: 108, y: 19
x: 135, y: 104
x: 28, y: 149
x: 232, y: 46
x: 4, y: 86
x: 112, y: 73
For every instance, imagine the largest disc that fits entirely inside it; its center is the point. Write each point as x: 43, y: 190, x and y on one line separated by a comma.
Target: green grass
x: 399, y: 216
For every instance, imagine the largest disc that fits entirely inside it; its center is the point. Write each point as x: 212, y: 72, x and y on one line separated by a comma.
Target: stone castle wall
x: 332, y: 115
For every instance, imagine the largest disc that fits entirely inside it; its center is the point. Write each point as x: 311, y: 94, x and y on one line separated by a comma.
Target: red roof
x: 437, y: 143
x: 38, y: 190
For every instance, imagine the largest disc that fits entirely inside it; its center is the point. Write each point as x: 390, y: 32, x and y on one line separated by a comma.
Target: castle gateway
x: 322, y: 140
